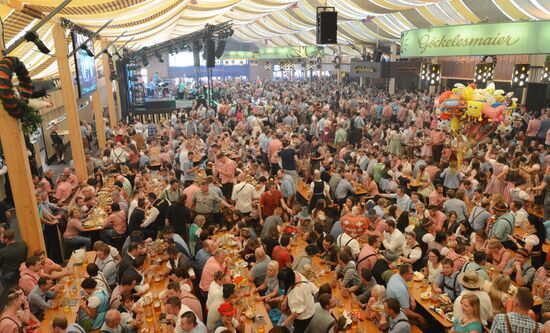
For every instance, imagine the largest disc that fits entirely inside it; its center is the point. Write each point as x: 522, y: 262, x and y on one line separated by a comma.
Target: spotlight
x: 267, y: 66
x: 145, y: 61
x: 484, y: 72
x: 521, y: 75
x: 546, y: 71
x: 158, y: 56
x: 32, y: 36
x: 423, y: 71
x: 434, y: 74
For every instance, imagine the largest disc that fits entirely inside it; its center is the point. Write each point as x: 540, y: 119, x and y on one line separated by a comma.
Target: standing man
x: 12, y: 255
x: 225, y: 168
x: 273, y: 153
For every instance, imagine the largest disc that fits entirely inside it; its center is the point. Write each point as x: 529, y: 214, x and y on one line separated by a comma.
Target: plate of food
x: 418, y: 277
x: 426, y: 295
x: 241, y: 263
x: 449, y: 316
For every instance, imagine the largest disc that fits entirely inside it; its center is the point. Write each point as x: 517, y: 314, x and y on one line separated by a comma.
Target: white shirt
x: 346, y: 240
x: 243, y: 194
x: 215, y: 294
x: 119, y: 155
x: 300, y: 300
x: 394, y: 241
x: 521, y: 216
x: 412, y: 253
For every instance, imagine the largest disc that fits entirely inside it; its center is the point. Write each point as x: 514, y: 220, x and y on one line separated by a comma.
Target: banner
x: 289, y: 52
x: 529, y: 37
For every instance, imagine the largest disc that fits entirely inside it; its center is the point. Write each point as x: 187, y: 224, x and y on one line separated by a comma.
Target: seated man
x: 447, y: 281
x: 397, y: 320
x: 40, y: 296
x: 520, y: 270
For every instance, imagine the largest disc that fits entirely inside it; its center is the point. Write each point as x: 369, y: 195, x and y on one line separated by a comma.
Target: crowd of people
x: 275, y: 155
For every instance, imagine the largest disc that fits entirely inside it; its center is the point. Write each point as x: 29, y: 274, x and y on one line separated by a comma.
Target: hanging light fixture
x: 434, y: 74
x: 423, y: 71
x: 484, y: 72
x: 520, y: 77
x: 267, y: 66
x: 546, y: 71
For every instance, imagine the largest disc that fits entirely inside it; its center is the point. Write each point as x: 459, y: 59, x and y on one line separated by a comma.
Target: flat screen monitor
x: 86, y: 76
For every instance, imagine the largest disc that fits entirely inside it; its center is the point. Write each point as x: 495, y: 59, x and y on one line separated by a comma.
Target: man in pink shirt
x: 64, y: 189
x: 225, y: 168
x: 71, y: 178
x: 437, y: 216
x: 218, y: 262
x: 273, y: 153
x: 367, y: 257
x: 189, y: 192
x: 30, y: 273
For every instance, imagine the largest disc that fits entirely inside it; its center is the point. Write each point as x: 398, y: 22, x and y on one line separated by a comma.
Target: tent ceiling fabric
x: 264, y: 22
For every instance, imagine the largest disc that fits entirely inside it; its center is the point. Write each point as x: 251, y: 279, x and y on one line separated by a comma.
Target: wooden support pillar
x: 98, y: 114
x: 108, y: 86
x: 393, y: 58
x: 20, y: 177
x: 69, y: 102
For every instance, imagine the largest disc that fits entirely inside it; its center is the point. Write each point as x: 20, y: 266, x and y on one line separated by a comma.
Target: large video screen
x: 86, y: 77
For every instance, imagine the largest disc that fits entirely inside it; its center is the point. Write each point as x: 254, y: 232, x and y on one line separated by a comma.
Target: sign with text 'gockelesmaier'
x: 532, y: 37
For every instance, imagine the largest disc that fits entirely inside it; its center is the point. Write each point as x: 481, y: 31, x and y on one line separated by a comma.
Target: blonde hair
x: 473, y: 300
x: 273, y: 264
x: 494, y: 244
x: 380, y: 292
x: 199, y: 220
x: 499, y: 287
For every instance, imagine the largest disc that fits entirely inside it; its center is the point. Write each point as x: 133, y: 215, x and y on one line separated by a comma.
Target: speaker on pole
x: 327, y: 25
x: 210, y: 53
x: 220, y: 49
x: 197, y: 54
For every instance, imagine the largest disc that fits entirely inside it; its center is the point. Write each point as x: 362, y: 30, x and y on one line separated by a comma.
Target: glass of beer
x: 149, y: 314
x: 156, y: 307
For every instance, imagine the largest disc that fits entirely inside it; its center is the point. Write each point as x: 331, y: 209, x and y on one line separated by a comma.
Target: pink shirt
x: 117, y: 220
x: 74, y: 227
x: 28, y: 279
x: 63, y: 191
x: 273, y: 149
x: 189, y: 191
x: 192, y: 302
x: 10, y: 325
x: 436, y: 198
x: 226, y: 170
x: 372, y: 188
x: 533, y: 127
x: 439, y: 219
x: 207, y: 277
x: 367, y: 258
x: 47, y: 185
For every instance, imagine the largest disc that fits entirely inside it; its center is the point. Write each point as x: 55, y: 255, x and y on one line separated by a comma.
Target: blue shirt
x: 397, y: 288
x: 447, y: 283
x: 287, y: 186
x: 336, y: 230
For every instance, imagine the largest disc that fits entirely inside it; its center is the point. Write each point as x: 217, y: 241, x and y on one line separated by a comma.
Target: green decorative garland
x: 18, y: 107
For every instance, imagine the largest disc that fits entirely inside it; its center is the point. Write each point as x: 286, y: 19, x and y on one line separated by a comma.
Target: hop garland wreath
x: 18, y: 107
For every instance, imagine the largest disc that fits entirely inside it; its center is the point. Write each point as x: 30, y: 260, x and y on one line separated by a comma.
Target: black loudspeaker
x: 327, y: 27
x: 210, y: 53
x: 377, y: 55
x: 196, y: 57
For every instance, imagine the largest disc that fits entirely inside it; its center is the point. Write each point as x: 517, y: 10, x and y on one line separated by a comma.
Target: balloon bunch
x: 473, y: 114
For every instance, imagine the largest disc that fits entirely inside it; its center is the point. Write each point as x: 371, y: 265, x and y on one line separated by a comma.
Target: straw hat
x: 470, y: 279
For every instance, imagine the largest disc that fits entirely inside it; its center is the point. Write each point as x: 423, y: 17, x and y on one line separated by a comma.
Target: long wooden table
x: 324, y: 275
x: 71, y: 291
x: 248, y: 298
x: 304, y: 191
